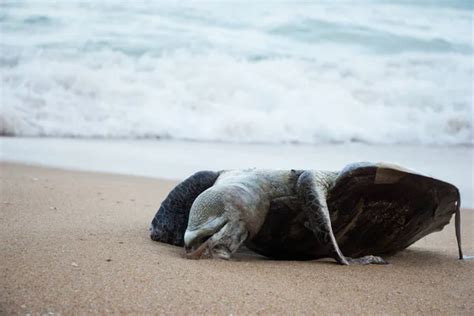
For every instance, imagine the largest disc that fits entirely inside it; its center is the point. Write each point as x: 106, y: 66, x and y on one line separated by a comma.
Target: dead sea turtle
x: 353, y: 216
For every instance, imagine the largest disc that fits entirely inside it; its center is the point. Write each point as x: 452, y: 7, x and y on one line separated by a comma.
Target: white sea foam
x: 235, y: 72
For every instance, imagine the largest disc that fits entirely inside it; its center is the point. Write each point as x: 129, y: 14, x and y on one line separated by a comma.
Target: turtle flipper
x: 171, y: 220
x: 366, y: 260
x: 313, y: 189
x: 382, y: 208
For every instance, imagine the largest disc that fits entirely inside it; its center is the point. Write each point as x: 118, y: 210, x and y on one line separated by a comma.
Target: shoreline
x: 77, y: 242
x: 165, y: 159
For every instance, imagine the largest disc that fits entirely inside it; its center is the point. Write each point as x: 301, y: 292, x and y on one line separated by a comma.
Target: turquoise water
x: 272, y: 72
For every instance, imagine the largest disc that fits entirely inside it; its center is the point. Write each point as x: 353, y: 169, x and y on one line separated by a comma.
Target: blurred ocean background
x: 377, y: 72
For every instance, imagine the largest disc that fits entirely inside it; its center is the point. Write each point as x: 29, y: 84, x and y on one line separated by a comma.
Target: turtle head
x: 206, y: 217
x: 214, y: 226
x: 217, y: 238
x: 199, y: 241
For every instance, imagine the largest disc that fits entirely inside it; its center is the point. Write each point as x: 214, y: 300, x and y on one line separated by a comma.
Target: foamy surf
x: 268, y: 74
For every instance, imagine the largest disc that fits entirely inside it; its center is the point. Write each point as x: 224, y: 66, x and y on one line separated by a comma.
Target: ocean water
x: 384, y: 72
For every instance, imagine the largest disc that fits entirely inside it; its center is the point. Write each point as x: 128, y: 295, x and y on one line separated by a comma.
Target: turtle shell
x: 374, y: 208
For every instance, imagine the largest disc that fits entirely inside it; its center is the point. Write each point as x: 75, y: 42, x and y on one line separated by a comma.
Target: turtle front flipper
x: 312, y: 189
x: 171, y: 220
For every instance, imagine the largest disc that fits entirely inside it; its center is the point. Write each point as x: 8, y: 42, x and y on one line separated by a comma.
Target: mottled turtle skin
x: 363, y: 211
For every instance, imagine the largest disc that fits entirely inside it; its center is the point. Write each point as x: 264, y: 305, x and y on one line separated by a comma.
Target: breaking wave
x: 270, y: 73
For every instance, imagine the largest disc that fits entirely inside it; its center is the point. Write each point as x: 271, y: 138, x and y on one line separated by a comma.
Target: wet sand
x: 77, y: 242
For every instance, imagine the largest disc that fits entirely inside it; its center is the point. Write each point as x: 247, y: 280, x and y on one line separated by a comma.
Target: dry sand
x: 77, y: 242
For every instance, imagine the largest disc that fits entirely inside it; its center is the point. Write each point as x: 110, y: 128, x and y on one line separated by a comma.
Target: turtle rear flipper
x: 381, y: 208
x: 171, y: 220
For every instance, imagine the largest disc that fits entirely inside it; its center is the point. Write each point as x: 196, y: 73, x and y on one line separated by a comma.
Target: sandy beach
x: 77, y: 242
x: 107, y: 105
